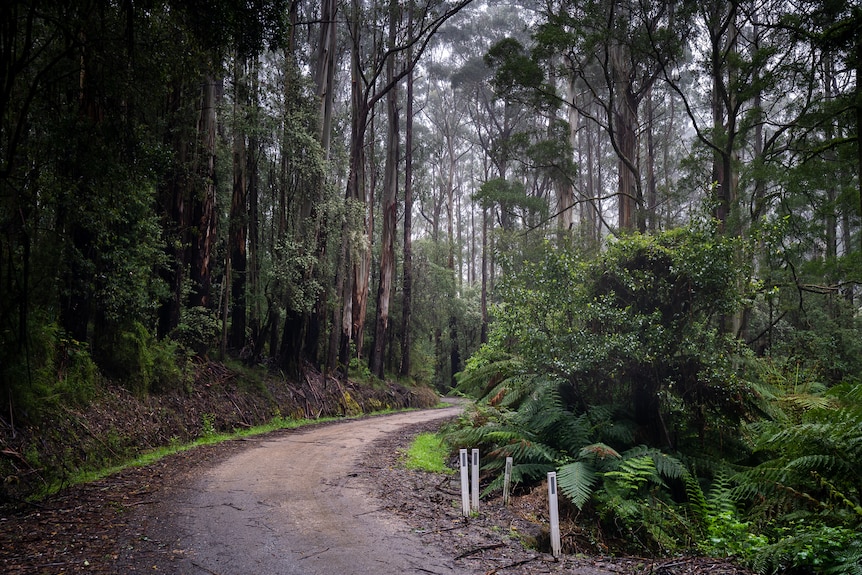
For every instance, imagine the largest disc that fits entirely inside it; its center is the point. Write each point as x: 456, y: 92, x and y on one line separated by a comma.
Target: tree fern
x: 634, y: 474
x: 666, y: 466
x: 485, y: 370
x: 577, y: 481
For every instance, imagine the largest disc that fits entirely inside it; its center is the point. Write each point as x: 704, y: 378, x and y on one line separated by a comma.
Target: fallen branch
x: 510, y: 565
x: 479, y: 549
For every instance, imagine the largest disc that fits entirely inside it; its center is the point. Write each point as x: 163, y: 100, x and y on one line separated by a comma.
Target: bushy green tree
x: 614, y: 371
x: 639, y: 328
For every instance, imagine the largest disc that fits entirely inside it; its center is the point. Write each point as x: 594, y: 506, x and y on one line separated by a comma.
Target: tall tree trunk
x: 342, y: 332
x: 593, y: 205
x: 407, y: 280
x: 203, y: 197
x: 389, y: 210
x: 175, y: 214
x: 238, y: 222
x: 652, y: 191
x: 724, y: 46
x: 566, y: 190
x: 624, y: 135
x: 483, y: 336
x: 325, y: 75
x: 626, y: 123
x: 254, y: 252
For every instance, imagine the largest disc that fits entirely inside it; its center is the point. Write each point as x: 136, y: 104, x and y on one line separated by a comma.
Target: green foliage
x: 804, y: 494
x: 510, y: 196
x: 614, y: 372
x: 208, y: 429
x: 293, y: 270
x: 446, y: 317
x: 198, y: 331
x: 56, y: 370
x: 726, y: 534
x: 811, y: 548
x: 638, y: 328
x: 143, y: 363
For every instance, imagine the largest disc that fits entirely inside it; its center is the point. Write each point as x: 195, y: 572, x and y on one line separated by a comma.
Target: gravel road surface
x: 296, y: 505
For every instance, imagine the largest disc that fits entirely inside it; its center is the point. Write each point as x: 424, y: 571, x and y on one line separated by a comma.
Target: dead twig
x: 479, y: 550
x: 510, y: 566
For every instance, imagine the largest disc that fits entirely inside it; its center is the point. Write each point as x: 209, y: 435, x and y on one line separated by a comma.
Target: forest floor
x: 93, y: 528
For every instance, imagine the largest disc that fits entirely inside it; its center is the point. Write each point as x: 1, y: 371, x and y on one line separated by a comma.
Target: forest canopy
x: 631, y: 230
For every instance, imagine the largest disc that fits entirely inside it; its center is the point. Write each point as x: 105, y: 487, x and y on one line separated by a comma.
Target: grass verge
x: 428, y: 452
x: 154, y: 455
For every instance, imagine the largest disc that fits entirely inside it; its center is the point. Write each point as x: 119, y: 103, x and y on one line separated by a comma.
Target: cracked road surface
x: 294, y: 505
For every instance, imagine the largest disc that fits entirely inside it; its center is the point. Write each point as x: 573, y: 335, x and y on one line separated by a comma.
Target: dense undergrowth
x: 668, y: 434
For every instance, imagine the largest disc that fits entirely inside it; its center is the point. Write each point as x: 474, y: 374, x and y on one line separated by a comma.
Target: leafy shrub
x: 198, y: 331
x: 145, y: 364
x: 614, y: 371
x: 726, y: 534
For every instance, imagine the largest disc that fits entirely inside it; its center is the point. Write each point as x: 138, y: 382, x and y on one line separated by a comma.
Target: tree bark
x: 389, y: 209
x: 203, y: 198
x: 238, y: 222
x: 407, y: 280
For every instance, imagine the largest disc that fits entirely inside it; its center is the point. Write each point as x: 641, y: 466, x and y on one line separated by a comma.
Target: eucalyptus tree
x: 389, y: 207
x: 369, y: 58
x: 607, y: 49
x: 303, y: 176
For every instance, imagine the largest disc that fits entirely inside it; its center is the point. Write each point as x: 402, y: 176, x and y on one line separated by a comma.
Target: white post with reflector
x: 475, y: 480
x: 465, y: 484
x: 556, y: 544
x: 507, y: 481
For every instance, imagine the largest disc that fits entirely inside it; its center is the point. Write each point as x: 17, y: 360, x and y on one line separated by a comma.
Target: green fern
x: 633, y: 474
x: 577, y: 481
x: 666, y: 466
x: 813, y: 548
x: 695, y: 497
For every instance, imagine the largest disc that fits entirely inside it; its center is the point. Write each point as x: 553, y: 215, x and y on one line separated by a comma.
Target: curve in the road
x: 294, y: 505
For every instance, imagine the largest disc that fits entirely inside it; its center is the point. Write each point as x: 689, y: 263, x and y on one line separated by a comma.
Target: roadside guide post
x: 465, y: 486
x: 507, y: 481
x: 554, y: 514
x: 475, y: 480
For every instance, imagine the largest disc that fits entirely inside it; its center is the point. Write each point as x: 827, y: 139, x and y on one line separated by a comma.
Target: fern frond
x: 696, y: 499
x: 806, y: 401
x: 528, y: 451
x: 666, y: 466
x: 480, y: 379
x: 600, y: 451
x: 524, y: 472
x: 721, y: 496
x: 849, y: 560
x: 577, y: 480
x: 633, y: 474
x: 815, y: 462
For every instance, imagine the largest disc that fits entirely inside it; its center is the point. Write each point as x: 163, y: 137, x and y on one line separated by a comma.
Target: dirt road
x: 295, y: 505
x: 329, y: 499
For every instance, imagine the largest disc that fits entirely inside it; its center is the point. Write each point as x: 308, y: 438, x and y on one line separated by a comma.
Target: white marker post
x: 465, y: 485
x: 475, y: 480
x: 507, y: 481
x: 556, y: 544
